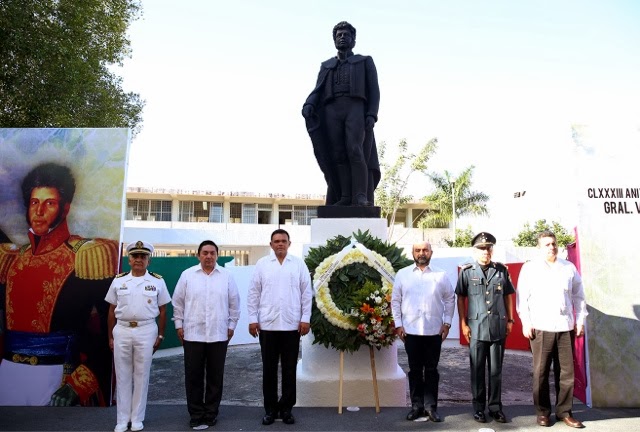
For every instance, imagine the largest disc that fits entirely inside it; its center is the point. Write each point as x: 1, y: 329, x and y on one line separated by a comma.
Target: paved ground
x: 243, y: 376
x: 242, y: 411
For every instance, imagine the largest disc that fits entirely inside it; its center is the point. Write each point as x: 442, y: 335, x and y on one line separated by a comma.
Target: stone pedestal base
x: 318, y: 373
x: 319, y: 377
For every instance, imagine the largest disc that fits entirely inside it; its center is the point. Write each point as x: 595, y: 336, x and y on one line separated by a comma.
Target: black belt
x: 34, y: 360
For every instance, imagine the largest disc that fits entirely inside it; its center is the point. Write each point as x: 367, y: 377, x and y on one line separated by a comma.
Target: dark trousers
x: 204, y: 361
x: 483, y: 355
x: 345, y: 126
x: 556, y: 346
x: 423, y: 353
x: 283, y: 347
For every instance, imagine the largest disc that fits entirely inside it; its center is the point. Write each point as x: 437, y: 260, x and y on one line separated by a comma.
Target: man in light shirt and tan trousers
x: 206, y: 309
x: 549, y: 292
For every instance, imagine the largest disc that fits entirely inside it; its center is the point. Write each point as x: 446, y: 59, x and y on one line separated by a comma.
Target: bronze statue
x: 340, y: 114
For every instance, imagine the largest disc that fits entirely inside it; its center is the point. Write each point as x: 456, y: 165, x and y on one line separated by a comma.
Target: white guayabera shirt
x: 422, y: 300
x: 206, y: 306
x: 280, y: 294
x: 548, y: 294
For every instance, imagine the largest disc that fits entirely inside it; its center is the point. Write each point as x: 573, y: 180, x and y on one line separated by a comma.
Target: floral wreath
x: 353, y: 278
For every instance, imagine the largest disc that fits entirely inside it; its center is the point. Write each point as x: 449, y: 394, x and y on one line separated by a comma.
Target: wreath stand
x: 317, y: 381
x: 373, y: 379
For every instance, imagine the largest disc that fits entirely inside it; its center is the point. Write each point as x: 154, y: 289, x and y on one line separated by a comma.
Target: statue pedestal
x: 318, y: 373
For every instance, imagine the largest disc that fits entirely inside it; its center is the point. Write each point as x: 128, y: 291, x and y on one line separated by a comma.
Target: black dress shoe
x: 195, y: 422
x: 434, y: 416
x: 498, y: 416
x: 268, y: 419
x: 479, y: 417
x: 415, y: 413
x: 210, y: 421
x: 287, y: 417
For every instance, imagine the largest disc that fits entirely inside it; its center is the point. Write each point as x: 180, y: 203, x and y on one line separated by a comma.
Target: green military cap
x: 483, y: 239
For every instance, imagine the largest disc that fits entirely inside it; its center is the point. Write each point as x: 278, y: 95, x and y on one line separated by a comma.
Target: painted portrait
x: 62, y: 195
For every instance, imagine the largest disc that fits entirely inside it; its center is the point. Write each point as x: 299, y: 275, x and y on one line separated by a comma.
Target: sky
x: 498, y: 83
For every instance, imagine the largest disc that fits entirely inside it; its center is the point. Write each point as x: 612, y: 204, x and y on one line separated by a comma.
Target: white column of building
x: 175, y: 210
x: 226, y: 210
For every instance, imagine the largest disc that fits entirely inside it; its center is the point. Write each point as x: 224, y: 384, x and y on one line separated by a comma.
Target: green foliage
x: 345, y: 284
x: 467, y: 201
x: 56, y: 59
x: 528, y: 235
x: 463, y: 238
x: 390, y: 194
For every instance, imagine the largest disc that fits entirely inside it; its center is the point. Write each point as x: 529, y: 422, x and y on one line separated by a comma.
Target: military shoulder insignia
x: 155, y: 275
x: 122, y: 274
x: 95, y: 259
x: 466, y: 266
x: 8, y: 253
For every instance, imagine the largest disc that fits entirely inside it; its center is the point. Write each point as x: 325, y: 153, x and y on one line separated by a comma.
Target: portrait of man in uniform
x: 55, y: 349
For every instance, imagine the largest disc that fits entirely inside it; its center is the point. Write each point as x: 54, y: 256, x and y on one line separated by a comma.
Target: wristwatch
x: 447, y: 325
x: 161, y: 337
x: 511, y: 321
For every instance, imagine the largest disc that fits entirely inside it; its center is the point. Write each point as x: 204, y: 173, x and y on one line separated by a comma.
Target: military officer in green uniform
x: 485, y: 323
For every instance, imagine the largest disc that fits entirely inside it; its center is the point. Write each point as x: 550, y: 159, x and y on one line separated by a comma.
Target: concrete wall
x: 608, y: 240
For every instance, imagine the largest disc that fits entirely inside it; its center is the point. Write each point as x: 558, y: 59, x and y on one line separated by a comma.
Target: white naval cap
x: 140, y: 246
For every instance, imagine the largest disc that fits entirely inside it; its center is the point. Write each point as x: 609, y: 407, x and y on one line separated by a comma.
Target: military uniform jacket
x: 486, y: 313
x: 138, y: 299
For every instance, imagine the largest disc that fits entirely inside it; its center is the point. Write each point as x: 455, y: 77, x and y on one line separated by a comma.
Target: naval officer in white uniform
x: 136, y: 298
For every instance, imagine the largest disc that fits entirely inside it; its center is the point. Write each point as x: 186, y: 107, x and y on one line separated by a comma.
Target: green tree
x: 453, y: 194
x: 462, y: 239
x: 529, y: 236
x: 55, y: 59
x: 391, y: 192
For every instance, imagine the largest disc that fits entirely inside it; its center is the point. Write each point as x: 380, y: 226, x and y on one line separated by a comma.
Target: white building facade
x: 176, y: 221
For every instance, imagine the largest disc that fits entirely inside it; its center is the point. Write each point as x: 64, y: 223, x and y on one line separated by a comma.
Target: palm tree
x: 452, y: 196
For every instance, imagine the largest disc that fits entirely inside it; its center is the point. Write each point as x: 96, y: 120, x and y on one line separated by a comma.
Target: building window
x: 284, y: 214
x: 240, y: 257
x: 302, y: 215
x: 401, y: 218
x: 417, y: 215
x: 235, y: 213
x: 296, y: 214
x: 149, y: 210
x: 243, y: 213
x: 200, y: 211
x: 216, y: 214
x: 264, y: 214
x: 249, y: 214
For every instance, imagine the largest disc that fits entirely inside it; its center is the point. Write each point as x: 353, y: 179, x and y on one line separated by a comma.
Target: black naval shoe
x: 268, y: 419
x: 288, y: 418
x: 479, y: 417
x: 434, y: 416
x: 210, y: 421
x: 415, y: 413
x: 498, y: 416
